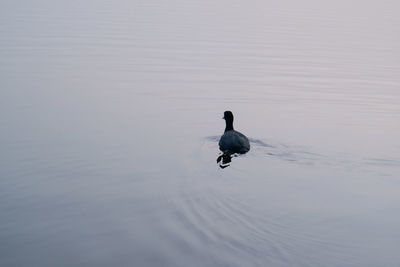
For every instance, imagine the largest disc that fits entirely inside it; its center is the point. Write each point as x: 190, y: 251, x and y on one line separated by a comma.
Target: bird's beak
x: 223, y: 118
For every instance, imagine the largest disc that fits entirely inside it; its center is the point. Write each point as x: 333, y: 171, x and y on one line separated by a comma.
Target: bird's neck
x: 229, y: 126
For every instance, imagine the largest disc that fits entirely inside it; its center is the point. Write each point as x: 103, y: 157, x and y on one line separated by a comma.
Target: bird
x: 232, y: 141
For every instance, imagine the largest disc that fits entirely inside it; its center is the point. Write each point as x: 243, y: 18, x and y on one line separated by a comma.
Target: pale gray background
x: 110, y: 113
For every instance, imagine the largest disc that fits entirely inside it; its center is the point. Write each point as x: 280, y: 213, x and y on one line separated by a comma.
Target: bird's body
x: 233, y: 141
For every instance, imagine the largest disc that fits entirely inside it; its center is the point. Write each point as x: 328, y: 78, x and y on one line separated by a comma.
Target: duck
x: 232, y: 141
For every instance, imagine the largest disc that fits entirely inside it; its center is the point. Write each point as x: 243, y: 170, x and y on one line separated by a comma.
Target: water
x: 111, y: 114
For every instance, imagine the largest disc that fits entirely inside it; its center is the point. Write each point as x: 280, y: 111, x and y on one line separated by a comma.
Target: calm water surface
x: 110, y: 115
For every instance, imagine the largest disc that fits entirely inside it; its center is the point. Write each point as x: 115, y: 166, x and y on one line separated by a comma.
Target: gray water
x: 110, y: 116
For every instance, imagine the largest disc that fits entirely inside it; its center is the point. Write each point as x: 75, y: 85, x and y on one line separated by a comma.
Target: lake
x: 110, y: 116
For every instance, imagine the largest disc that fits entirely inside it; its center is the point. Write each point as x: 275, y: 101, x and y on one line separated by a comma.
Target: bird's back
x: 234, y: 142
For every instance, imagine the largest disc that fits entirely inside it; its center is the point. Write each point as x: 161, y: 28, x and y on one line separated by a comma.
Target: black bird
x: 231, y: 141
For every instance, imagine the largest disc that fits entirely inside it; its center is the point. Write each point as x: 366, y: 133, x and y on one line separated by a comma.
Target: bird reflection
x: 224, y: 159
